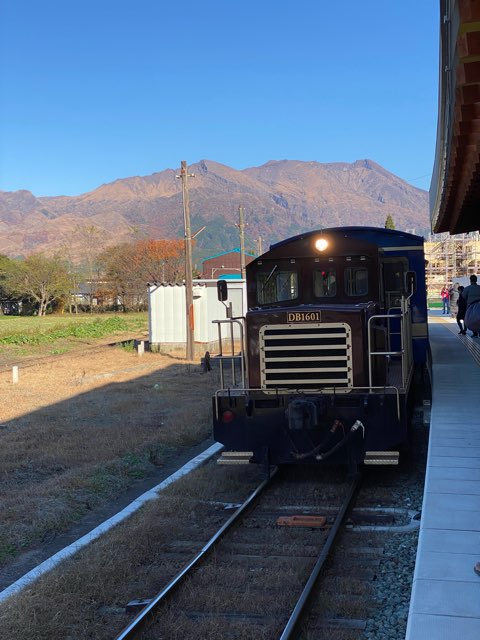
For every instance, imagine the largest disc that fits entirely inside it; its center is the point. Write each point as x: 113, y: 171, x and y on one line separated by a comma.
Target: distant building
x: 451, y: 257
x: 450, y: 260
x: 225, y: 265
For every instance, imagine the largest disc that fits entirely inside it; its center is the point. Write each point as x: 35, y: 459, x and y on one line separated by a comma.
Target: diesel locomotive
x: 334, y: 340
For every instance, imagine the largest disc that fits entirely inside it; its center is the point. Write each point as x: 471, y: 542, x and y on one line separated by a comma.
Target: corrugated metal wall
x: 167, y: 311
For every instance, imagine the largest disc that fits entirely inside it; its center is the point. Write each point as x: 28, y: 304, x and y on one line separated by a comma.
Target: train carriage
x: 335, y: 336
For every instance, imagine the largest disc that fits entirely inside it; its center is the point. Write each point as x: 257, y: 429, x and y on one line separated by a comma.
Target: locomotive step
x: 382, y: 457
x: 235, y: 457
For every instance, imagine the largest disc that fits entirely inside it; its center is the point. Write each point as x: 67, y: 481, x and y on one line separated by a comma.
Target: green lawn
x: 434, y: 303
x: 20, y: 331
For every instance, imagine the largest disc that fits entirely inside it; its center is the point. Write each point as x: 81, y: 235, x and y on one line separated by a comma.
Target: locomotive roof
x: 375, y: 235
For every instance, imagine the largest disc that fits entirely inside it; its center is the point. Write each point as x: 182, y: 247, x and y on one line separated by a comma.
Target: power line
x: 426, y: 175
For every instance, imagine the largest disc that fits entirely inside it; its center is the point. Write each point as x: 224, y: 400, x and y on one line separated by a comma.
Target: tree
x: 90, y: 241
x: 389, y: 223
x: 41, y: 279
x: 77, y: 273
x: 130, y: 266
x: 119, y: 274
x: 159, y: 260
x: 5, y: 268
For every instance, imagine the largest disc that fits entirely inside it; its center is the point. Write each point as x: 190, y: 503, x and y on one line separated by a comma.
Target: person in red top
x: 445, y: 295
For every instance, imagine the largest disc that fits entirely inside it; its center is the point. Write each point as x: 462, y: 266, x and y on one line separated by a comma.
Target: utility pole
x: 259, y: 246
x: 241, y: 226
x: 184, y: 175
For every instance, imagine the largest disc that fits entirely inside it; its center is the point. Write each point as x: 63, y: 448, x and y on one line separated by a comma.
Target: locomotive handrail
x: 408, y: 329
x: 320, y: 390
x: 393, y: 313
x: 232, y: 358
x: 404, y: 341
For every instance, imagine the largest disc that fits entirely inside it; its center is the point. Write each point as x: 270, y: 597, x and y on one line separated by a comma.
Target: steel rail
x: 149, y: 610
x: 291, y: 626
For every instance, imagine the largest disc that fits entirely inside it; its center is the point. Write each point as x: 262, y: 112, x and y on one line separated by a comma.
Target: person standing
x: 471, y: 294
x: 445, y: 295
x: 461, y: 308
x: 453, y: 295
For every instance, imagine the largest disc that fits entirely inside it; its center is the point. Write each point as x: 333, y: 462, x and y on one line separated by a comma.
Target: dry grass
x: 77, y: 431
x: 85, y: 597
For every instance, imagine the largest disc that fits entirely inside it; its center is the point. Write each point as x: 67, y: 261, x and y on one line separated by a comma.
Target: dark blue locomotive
x: 335, y: 337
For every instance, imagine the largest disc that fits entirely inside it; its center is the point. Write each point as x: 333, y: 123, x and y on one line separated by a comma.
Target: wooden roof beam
x: 469, y: 10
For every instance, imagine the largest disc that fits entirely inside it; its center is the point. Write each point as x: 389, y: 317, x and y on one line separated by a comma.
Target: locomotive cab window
x: 276, y: 285
x: 325, y: 283
x: 356, y: 281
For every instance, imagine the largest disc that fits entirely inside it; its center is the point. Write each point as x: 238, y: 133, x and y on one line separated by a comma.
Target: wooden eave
x: 455, y: 189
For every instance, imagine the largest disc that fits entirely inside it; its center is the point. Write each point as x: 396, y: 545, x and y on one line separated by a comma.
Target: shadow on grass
x: 67, y: 466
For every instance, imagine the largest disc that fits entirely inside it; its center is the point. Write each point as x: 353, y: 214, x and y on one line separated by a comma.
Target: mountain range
x: 280, y: 198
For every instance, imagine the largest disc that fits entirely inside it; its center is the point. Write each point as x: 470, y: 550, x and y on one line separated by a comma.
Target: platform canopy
x: 455, y: 187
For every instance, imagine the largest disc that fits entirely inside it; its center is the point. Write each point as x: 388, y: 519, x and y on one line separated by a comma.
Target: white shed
x: 167, y: 316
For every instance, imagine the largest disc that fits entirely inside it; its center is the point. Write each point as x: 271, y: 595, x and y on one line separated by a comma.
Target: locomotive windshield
x: 276, y: 285
x: 356, y: 281
x: 325, y: 283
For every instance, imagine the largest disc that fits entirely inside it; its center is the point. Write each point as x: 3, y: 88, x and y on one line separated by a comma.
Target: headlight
x: 321, y: 244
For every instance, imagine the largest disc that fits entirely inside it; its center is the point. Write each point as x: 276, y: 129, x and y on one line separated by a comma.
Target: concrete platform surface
x: 445, y: 601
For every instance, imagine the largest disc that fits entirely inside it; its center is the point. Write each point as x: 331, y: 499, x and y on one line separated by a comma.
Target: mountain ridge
x: 281, y: 198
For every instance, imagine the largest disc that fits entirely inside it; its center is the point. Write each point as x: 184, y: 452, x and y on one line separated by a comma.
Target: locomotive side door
x: 392, y: 288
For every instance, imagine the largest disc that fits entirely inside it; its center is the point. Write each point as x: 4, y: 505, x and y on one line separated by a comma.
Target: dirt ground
x: 83, y: 434
x: 61, y: 379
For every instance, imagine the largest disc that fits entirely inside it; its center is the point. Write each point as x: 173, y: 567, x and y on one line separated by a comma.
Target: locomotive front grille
x: 306, y: 356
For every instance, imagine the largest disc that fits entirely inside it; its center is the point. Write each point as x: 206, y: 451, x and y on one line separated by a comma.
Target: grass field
x: 29, y: 336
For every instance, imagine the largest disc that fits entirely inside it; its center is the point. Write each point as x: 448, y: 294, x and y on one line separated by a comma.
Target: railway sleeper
x: 339, y: 623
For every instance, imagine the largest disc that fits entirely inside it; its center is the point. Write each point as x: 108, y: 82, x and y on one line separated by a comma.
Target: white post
x: 141, y: 348
x: 15, y: 374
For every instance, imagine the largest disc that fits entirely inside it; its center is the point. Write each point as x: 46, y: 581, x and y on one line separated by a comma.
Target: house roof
x: 226, y: 253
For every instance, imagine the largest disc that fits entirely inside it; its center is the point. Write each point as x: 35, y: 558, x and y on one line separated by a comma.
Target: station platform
x: 445, y: 600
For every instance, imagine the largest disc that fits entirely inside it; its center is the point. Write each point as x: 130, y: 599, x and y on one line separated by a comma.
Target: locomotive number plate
x: 304, y: 316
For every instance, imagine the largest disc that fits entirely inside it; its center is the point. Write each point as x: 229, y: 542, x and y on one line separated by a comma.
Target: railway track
x: 255, y: 576
x: 246, y: 585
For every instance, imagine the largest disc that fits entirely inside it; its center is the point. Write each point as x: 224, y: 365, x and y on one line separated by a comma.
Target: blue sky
x: 93, y: 91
